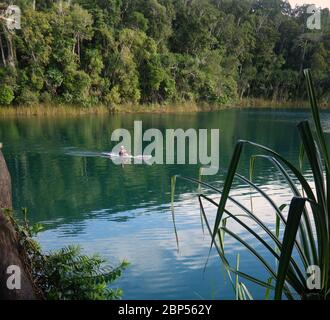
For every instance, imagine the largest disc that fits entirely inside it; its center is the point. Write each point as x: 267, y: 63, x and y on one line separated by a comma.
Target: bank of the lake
x: 185, y: 107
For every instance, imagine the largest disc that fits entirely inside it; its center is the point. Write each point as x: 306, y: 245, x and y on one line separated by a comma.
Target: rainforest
x: 120, y: 52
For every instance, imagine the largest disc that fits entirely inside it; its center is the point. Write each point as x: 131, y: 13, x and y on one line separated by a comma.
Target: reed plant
x: 304, y: 244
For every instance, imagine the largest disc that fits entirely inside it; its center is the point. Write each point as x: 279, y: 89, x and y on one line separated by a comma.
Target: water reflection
x: 81, y: 197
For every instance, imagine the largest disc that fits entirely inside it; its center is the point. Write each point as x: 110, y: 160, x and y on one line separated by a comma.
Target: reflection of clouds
x: 115, y: 211
x: 149, y: 245
x: 151, y: 238
x: 321, y: 3
x: 326, y: 124
x: 148, y: 242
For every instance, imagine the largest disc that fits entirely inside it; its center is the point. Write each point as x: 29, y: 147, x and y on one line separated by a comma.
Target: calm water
x: 124, y: 212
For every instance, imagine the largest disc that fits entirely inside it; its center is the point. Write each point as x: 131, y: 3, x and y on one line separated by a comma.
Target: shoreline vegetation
x: 41, y: 110
x: 159, y: 56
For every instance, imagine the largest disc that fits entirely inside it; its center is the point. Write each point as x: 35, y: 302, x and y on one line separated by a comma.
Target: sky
x: 321, y: 3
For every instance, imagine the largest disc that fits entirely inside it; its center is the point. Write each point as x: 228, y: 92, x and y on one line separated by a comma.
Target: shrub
x: 113, y: 98
x: 6, y: 95
x: 66, y: 274
x: 45, y: 97
x: 70, y: 275
x: 28, y: 97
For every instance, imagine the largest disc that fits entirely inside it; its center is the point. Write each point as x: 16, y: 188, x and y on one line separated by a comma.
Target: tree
x: 156, y: 51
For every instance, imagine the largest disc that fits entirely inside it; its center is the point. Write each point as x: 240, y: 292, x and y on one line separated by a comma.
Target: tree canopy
x: 90, y: 52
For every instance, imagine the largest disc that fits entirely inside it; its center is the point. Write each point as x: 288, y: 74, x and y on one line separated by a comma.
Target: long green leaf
x: 227, y: 186
x: 316, y: 117
x: 298, y: 285
x: 307, y: 237
x: 295, y: 212
x: 226, y: 264
x: 316, y: 166
x: 278, y: 212
x: 173, y: 185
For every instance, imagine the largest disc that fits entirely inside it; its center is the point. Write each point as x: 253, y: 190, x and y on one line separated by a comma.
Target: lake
x: 82, y: 198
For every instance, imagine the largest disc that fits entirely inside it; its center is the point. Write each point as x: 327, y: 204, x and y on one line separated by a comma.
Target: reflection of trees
x: 58, y: 186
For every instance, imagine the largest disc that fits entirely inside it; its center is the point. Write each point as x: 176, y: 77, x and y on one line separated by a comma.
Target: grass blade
x: 173, y: 185
x: 227, y: 186
x: 295, y: 212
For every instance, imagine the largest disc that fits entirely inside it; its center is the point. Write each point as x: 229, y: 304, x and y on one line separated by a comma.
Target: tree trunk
x: 11, y: 56
x: 11, y: 52
x: 2, y: 53
x: 10, y: 254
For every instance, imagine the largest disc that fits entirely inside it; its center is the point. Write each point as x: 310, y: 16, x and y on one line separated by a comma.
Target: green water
x: 124, y: 212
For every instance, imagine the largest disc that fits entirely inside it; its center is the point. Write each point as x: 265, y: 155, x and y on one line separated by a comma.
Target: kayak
x: 116, y: 155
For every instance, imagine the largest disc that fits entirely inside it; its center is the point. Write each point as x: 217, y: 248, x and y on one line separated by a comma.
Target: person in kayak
x: 123, y: 152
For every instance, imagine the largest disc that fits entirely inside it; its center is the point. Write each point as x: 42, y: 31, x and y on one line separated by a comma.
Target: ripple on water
x: 82, y: 198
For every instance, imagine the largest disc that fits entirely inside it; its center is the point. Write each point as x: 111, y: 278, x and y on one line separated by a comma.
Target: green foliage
x: 159, y: 51
x: 74, y: 276
x: 66, y: 274
x: 28, y: 97
x: 113, y: 97
x: 6, y: 95
x: 305, y: 241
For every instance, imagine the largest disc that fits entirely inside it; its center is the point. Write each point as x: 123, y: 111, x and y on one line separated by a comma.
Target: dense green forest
x: 112, y: 52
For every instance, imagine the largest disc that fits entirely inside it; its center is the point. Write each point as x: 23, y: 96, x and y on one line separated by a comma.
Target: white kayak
x: 127, y: 157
